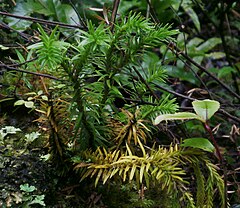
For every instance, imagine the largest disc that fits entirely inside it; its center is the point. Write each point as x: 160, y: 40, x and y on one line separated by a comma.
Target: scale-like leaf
x: 132, y: 171
x: 142, y: 172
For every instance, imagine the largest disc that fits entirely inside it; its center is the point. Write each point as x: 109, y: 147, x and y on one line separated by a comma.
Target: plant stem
x: 221, y: 161
x: 208, y: 129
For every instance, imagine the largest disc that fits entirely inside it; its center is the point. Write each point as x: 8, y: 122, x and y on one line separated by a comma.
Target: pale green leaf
x: 98, y: 176
x: 132, y: 171
x: 44, y: 97
x: 29, y: 104
x: 19, y: 102
x: 141, y: 172
x: 38, y: 199
x: 205, y: 108
x: 199, y: 143
x: 176, y: 116
x: 209, y: 44
x: 216, y: 55
x: 2, y: 47
x: 25, y: 187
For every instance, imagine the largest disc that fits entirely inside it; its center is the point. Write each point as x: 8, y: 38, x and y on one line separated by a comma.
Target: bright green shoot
x: 204, y: 109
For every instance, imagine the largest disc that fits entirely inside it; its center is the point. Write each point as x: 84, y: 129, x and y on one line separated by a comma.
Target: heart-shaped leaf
x: 205, y: 108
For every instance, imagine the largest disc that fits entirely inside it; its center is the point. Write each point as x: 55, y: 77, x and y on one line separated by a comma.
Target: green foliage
x: 27, y: 188
x: 198, y: 49
x: 28, y: 198
x: 50, y: 51
x: 7, y: 130
x: 86, y: 128
x: 113, y: 59
x: 200, y: 143
x: 162, y: 166
x: 204, y: 109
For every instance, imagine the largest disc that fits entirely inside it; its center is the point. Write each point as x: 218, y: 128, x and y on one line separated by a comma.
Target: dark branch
x: 114, y: 13
x: 179, y: 52
x: 41, y: 21
x: 28, y: 72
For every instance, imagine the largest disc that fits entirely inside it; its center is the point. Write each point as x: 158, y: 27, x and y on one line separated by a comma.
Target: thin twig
x: 42, y: 21
x: 114, y: 13
x: 174, y: 93
x: 154, y: 15
x: 205, y: 70
x: 28, y: 72
x: 197, y: 76
x: 146, y: 84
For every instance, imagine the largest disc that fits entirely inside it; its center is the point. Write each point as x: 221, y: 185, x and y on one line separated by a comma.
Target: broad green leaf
x: 23, y: 9
x: 205, y: 108
x: 176, y: 116
x: 193, y: 43
x: 209, y: 44
x: 225, y: 72
x: 181, y: 73
x: 199, y: 143
x: 65, y: 13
